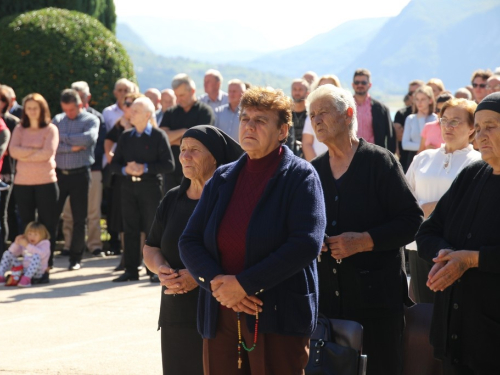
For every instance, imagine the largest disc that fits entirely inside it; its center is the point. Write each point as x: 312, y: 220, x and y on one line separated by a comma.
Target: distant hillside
x: 202, y: 40
x: 327, y: 53
x: 153, y: 70
x: 448, y: 39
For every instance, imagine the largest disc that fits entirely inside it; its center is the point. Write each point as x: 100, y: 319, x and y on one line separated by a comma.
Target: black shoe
x: 154, y: 278
x: 42, y: 280
x: 126, y: 276
x: 65, y: 252
x: 98, y: 253
x: 74, y: 265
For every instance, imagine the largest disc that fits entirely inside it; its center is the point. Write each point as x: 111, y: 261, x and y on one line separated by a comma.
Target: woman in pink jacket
x: 33, y: 145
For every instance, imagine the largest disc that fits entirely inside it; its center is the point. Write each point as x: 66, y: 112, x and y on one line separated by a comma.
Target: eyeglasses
x: 128, y: 104
x: 476, y: 85
x: 443, y: 121
x: 364, y: 83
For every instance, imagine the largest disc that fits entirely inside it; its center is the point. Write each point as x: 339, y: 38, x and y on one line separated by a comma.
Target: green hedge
x: 46, y: 50
x: 103, y: 10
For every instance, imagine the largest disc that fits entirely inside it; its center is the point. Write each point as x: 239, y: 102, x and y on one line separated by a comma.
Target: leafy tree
x: 103, y: 10
x: 46, y: 50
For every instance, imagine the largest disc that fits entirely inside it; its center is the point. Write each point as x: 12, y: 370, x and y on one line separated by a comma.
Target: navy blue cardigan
x: 284, y: 238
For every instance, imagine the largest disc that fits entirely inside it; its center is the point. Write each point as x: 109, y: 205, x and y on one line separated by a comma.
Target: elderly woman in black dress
x: 371, y: 214
x: 462, y: 238
x: 203, y: 148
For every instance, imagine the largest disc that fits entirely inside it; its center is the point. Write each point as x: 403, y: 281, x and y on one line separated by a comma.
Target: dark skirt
x: 181, y: 350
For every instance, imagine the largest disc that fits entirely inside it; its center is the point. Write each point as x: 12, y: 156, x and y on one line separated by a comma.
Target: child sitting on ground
x: 34, y: 246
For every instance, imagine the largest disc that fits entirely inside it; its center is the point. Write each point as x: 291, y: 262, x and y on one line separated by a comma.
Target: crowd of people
x: 255, y: 211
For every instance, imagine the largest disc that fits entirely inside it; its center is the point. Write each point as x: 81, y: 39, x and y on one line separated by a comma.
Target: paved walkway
x: 81, y: 323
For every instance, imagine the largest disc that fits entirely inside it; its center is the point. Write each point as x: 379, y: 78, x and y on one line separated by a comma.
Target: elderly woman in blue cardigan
x: 251, y: 244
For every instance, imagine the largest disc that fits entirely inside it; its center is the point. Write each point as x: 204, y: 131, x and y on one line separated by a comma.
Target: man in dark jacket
x: 142, y: 155
x: 374, y: 118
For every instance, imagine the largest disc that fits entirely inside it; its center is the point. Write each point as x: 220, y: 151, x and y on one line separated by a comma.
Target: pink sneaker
x: 24, y: 282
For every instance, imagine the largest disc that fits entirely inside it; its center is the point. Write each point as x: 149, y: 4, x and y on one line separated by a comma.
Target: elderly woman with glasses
x: 432, y: 172
x: 462, y: 239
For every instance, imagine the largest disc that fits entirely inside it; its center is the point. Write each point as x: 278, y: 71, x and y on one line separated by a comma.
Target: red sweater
x: 231, y: 238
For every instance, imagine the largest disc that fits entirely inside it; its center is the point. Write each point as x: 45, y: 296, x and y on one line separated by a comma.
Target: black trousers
x: 76, y: 187
x: 383, y: 343
x: 41, y: 200
x: 139, y: 203
x: 9, y: 216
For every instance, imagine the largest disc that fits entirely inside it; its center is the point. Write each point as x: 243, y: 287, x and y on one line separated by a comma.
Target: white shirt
x: 412, y: 133
x: 111, y: 115
x: 319, y: 147
x: 432, y: 172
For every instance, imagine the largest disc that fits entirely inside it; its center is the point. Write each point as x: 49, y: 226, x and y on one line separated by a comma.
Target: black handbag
x: 336, y: 348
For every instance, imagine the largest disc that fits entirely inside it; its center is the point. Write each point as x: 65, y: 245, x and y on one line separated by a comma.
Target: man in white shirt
x: 112, y: 113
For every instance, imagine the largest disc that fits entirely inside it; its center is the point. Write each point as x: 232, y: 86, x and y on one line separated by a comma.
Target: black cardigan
x: 466, y: 319
x: 375, y: 197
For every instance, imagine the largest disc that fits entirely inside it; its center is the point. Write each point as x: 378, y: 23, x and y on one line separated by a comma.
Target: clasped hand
x: 21, y: 240
x: 450, y: 266
x: 347, y: 244
x: 134, y: 169
x: 228, y: 292
x: 176, y: 281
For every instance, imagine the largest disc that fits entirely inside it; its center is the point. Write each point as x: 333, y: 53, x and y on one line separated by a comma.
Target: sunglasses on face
x: 128, y: 104
x: 357, y: 83
x: 4, y: 100
x: 476, y: 85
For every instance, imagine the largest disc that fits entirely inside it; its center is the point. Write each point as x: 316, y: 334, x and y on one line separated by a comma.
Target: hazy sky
x: 288, y: 22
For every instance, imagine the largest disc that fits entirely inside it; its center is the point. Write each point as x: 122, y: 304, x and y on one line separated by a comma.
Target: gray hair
x: 214, y: 73
x: 237, y: 82
x: 465, y: 92
x: 183, y: 79
x: 149, y: 106
x: 124, y: 81
x: 70, y: 96
x: 341, y: 99
x: 81, y: 86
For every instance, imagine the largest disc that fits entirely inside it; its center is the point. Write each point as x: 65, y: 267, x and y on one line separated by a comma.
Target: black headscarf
x: 491, y: 102
x: 222, y: 147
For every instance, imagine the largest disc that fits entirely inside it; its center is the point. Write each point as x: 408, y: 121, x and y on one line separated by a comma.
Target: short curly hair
x: 267, y: 98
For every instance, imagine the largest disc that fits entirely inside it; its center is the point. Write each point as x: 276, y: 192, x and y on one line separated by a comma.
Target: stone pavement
x: 81, y: 323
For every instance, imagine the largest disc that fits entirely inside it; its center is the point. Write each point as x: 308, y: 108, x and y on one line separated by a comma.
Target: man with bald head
x: 167, y: 100
x: 213, y: 96
x: 142, y: 155
x: 227, y: 116
x: 493, y: 84
x: 155, y: 96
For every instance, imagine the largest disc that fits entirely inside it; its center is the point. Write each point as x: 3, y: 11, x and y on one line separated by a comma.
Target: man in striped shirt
x: 78, y: 131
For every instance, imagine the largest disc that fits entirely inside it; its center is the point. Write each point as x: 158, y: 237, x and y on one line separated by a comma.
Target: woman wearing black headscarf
x: 203, y: 148
x: 462, y: 239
